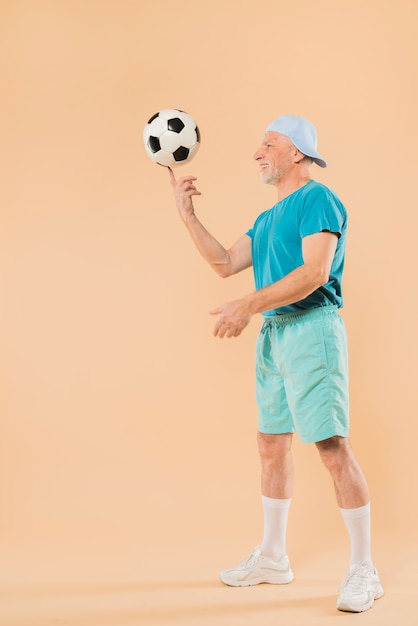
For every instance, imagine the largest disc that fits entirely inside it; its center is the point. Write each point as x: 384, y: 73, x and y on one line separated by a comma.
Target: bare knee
x: 335, y: 453
x: 272, y: 447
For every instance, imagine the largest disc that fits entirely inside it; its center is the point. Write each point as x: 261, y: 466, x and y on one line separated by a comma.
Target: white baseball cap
x: 301, y: 133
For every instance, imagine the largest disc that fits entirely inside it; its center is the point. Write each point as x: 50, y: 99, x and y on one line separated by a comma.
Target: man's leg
x: 362, y: 585
x: 277, y: 481
x: 269, y: 563
x: 349, y: 481
x: 352, y: 494
x: 277, y: 477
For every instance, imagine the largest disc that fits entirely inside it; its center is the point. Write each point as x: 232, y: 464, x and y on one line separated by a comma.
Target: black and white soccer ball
x: 171, y: 137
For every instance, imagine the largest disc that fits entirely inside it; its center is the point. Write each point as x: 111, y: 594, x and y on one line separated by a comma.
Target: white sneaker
x: 360, y: 589
x: 256, y: 569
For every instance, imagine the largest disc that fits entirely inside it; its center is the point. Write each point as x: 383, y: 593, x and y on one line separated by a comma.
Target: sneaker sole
x: 283, y: 579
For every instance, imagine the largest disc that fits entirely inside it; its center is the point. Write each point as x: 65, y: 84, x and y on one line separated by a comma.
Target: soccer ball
x: 171, y: 137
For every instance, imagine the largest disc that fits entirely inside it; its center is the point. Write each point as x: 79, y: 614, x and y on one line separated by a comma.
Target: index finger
x: 171, y: 175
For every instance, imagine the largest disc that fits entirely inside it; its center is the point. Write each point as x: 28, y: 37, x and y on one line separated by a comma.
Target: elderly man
x: 297, y: 250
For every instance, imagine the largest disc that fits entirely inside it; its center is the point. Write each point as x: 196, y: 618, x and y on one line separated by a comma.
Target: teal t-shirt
x: 277, y: 242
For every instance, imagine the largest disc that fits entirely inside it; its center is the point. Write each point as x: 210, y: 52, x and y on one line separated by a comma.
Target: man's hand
x: 233, y: 318
x: 183, y: 190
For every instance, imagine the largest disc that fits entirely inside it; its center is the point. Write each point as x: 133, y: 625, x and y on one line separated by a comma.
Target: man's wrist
x: 188, y: 217
x: 251, y: 302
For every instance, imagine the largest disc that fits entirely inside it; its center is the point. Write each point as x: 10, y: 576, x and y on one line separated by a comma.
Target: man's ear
x: 298, y: 156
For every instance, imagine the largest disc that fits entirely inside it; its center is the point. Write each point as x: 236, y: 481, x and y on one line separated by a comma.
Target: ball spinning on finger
x: 171, y: 137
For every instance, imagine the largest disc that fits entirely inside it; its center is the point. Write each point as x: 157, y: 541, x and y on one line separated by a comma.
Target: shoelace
x: 251, y: 559
x: 357, y: 579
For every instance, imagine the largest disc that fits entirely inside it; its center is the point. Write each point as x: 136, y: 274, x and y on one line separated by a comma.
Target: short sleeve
x: 322, y: 211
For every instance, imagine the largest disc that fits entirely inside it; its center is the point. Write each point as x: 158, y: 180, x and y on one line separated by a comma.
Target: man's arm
x: 224, y: 262
x: 318, y: 251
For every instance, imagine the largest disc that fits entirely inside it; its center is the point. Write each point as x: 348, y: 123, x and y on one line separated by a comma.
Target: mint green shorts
x: 302, y: 375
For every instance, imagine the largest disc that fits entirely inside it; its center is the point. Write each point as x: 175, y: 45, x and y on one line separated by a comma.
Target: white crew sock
x: 275, y: 523
x: 357, y: 522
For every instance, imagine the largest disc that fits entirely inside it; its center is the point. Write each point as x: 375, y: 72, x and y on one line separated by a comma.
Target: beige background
x: 129, y: 473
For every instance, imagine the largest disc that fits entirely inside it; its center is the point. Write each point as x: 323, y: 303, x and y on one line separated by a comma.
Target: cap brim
x: 319, y: 160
